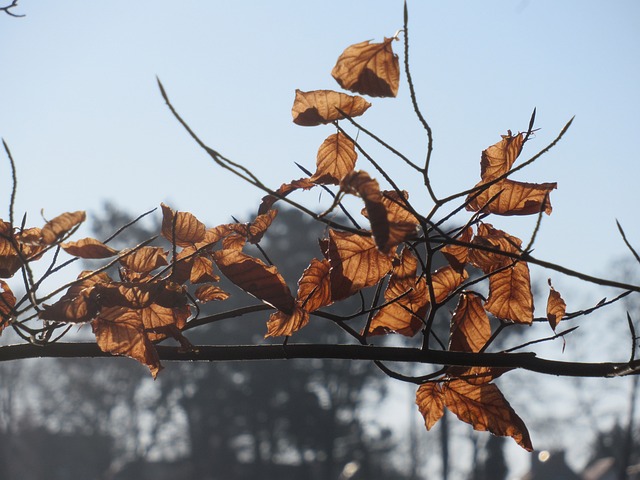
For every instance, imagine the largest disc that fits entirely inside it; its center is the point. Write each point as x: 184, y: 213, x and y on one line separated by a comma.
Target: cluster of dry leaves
x: 157, y: 290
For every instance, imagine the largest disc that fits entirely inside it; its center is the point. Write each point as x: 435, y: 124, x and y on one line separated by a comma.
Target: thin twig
x: 14, y: 180
x: 626, y: 242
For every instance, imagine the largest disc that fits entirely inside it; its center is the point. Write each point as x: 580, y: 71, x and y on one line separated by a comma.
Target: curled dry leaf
x: 88, y: 248
x: 490, y: 237
x: 406, y: 298
x: 209, y: 293
x: 188, y: 229
x: 324, y: 106
x: 369, y: 68
x: 254, y: 277
x: 202, y: 270
x: 284, y: 190
x: 508, y: 197
x: 336, y: 158
x: 145, y: 259
x: 161, y: 322
x: 361, y: 184
x: 499, y: 158
x: 77, y: 304
x: 7, y: 302
x: 259, y: 226
x: 356, y: 263
x: 556, y: 307
x: 314, y: 287
x: 60, y: 226
x: 430, y: 401
x: 485, y: 408
x: 284, y: 324
x: 120, y: 331
x: 458, y: 255
x: 476, y: 375
x: 470, y: 328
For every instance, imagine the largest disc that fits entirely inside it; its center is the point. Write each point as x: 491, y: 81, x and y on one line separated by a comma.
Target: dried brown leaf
x: 485, y: 408
x: 470, y: 328
x: 369, y: 68
x: 284, y: 190
x: 430, y: 401
x: 513, y: 198
x: 88, y: 248
x: 188, y: 229
x: 284, y: 324
x: 145, y: 259
x: 209, y: 293
x: 510, y: 296
x: 458, y: 255
x: 556, y: 307
x: 499, y: 158
x: 314, y: 287
x: 336, y: 158
x: 324, y: 106
x: 61, y: 225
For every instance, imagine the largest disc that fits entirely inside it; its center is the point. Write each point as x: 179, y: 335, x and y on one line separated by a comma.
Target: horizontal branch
x: 215, y: 353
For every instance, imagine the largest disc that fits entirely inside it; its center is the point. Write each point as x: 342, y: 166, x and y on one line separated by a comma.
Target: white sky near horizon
x: 82, y: 114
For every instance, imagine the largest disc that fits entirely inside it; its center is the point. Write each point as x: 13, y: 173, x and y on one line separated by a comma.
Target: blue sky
x: 82, y: 114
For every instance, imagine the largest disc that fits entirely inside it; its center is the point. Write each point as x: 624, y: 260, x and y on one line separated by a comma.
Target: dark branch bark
x: 215, y: 353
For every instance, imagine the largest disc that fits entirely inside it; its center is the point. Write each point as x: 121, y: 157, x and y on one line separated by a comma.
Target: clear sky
x: 82, y: 114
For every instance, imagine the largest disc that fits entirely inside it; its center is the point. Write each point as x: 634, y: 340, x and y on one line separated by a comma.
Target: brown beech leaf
x: 430, y: 401
x: 369, y: 68
x: 254, y: 277
x: 10, y: 261
x: 361, y: 184
x: 470, y: 328
x: 7, y: 302
x: 161, y: 322
x: 284, y: 190
x: 145, y: 259
x: 202, y: 270
x: 259, y: 226
x: 513, y: 198
x: 120, y: 331
x: 77, y: 304
x: 476, y: 375
x: 336, y: 158
x: 356, y: 263
x: 556, y: 307
x: 284, y: 324
x: 324, y: 106
x: 485, y: 408
x: 209, y: 293
x: 510, y: 296
x: 314, y: 286
x: 445, y: 280
x: 487, y: 236
x: 402, y: 223
x: 458, y: 255
x: 406, y: 297
x: 188, y: 229
x: 61, y: 225
x: 499, y: 158
x: 88, y: 248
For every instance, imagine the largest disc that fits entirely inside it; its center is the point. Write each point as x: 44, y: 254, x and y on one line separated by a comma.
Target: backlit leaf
x: 361, y: 184
x: 470, y: 328
x: 314, y: 287
x: 556, y: 307
x: 202, y: 270
x: 458, y: 255
x: 485, y: 408
x: 510, y: 296
x: 369, y: 68
x: 145, y: 259
x: 476, y: 375
x: 7, y: 302
x: 487, y: 236
x: 499, y: 158
x: 161, y: 322
x: 356, y: 263
x: 188, y: 229
x: 61, y: 225
x: 88, y: 248
x: 209, y: 293
x: 430, y: 401
x: 445, y: 280
x: 284, y: 190
x: 77, y: 304
x: 324, y: 106
x: 120, y: 331
x: 284, y: 324
x: 259, y: 226
x: 336, y: 158
x: 406, y: 295
x: 513, y: 198
x: 256, y: 278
